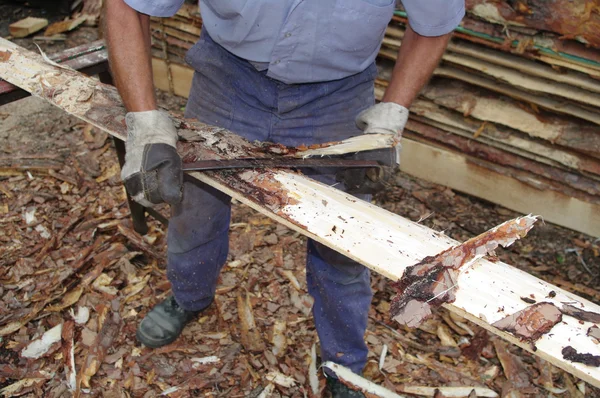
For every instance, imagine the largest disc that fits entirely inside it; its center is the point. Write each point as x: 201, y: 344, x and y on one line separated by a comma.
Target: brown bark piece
x: 431, y: 282
x: 97, y: 352
x: 68, y: 334
x: 582, y: 315
x: 516, y: 375
x: 570, y: 354
x: 594, y: 332
x: 532, y: 322
x: 138, y: 242
x: 478, y: 343
x: 251, y: 339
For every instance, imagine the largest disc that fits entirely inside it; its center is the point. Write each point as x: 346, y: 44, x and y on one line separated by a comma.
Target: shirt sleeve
x: 156, y: 8
x: 434, y: 17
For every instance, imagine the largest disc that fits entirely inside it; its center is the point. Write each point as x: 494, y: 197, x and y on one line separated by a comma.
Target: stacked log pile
x: 511, y: 115
x: 171, y: 39
x: 517, y: 95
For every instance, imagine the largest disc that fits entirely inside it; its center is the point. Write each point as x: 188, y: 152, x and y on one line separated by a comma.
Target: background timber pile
x: 516, y: 94
x: 511, y: 116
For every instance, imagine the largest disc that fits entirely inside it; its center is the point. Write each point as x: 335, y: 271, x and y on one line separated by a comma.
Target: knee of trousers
x: 329, y: 265
x: 202, y: 216
x: 198, y: 269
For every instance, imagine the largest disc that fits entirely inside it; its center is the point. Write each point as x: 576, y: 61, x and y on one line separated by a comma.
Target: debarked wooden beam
x: 485, y: 292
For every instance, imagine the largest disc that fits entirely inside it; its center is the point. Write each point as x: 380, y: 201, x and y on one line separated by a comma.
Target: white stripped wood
x: 359, y: 383
x: 383, y: 241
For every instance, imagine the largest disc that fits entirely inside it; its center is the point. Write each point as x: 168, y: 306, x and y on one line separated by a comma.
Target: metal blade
x: 286, y: 163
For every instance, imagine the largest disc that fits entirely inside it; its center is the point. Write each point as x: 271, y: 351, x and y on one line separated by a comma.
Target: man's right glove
x: 152, y: 170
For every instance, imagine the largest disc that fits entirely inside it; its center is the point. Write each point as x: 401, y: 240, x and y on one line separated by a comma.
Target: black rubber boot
x: 337, y: 389
x: 164, y: 323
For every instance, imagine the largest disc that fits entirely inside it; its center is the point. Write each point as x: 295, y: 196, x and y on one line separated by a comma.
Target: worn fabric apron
x: 229, y: 92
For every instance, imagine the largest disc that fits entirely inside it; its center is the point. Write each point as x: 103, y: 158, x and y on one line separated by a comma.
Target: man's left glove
x: 384, y: 118
x: 152, y: 170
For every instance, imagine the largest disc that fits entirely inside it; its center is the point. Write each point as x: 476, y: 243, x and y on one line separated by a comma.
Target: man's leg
x: 341, y: 288
x: 197, y: 245
x: 198, y: 239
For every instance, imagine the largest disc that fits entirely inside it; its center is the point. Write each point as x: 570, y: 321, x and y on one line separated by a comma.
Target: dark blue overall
x: 229, y: 92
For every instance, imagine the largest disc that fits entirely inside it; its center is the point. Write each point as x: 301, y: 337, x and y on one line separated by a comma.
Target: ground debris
x: 44, y: 282
x: 432, y: 281
x: 517, y: 378
x: 95, y: 356
x: 251, y: 339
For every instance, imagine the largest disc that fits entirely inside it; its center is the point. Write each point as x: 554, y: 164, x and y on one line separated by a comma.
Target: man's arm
x: 152, y: 170
x: 128, y: 37
x: 417, y: 58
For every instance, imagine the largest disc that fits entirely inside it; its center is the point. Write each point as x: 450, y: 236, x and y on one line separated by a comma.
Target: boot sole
x: 153, y: 343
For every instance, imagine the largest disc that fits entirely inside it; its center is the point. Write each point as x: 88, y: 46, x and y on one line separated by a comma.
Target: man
x: 288, y: 71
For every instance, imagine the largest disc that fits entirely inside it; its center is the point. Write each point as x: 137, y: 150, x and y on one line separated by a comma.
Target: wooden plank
x: 517, y: 71
x: 383, y: 241
x: 192, y: 27
x: 475, y: 77
x: 89, y: 58
x: 27, y: 26
x: 545, y: 102
x: 181, y: 76
x: 572, y: 19
x: 180, y: 34
x: 64, y: 26
x: 455, y: 171
x: 485, y: 106
x: 509, y: 138
x: 570, y: 183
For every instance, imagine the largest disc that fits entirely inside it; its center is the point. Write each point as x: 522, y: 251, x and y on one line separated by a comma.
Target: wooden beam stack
x: 171, y: 39
x: 512, y: 114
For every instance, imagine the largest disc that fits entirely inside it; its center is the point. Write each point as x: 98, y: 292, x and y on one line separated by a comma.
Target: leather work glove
x: 382, y: 118
x: 152, y: 170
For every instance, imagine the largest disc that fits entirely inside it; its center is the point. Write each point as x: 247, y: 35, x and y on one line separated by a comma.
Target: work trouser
x: 229, y: 92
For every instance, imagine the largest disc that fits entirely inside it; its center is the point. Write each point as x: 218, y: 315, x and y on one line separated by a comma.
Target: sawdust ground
x: 263, y: 262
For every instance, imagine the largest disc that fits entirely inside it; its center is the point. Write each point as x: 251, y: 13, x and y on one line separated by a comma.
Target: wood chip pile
x: 76, y: 281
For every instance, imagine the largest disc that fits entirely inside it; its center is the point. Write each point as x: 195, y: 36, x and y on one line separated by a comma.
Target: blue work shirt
x: 302, y: 41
